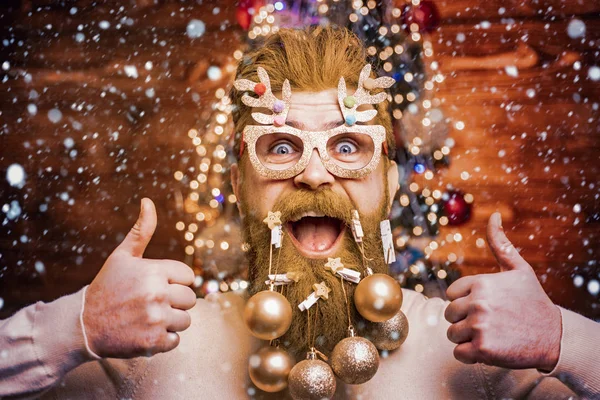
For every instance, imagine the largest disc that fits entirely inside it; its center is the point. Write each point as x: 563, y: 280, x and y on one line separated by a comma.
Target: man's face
x: 316, y: 210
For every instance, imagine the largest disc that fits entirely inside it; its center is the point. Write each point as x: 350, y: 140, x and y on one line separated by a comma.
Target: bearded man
x: 498, y: 336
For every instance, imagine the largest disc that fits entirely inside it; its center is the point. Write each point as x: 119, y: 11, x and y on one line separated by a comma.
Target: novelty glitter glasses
x: 279, y: 151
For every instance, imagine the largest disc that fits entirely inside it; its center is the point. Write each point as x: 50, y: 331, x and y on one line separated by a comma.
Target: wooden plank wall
x: 77, y: 207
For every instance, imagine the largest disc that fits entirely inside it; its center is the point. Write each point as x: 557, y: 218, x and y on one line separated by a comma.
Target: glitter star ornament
x: 273, y: 219
x: 321, y: 290
x: 336, y: 267
x: 334, y: 264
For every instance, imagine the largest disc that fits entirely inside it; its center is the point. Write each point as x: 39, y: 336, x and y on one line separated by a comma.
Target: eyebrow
x: 326, y: 126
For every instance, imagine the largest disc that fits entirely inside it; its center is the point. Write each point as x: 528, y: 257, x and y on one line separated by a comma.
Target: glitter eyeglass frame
x: 315, y: 140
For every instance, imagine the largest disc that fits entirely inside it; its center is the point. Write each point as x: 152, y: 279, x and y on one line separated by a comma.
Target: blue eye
x: 282, y: 149
x: 345, y: 147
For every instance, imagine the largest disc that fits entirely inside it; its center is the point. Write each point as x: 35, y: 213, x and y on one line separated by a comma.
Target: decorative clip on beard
x: 378, y: 297
x: 268, y: 315
x: 377, y: 300
x: 354, y: 360
x: 312, y: 378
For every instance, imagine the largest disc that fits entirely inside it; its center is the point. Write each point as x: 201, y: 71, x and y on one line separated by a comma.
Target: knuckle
x: 479, y: 306
x: 154, y: 316
x: 483, y: 350
x: 481, y: 285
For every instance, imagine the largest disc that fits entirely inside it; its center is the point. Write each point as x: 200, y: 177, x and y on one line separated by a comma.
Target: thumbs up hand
x: 135, y: 306
x: 504, y: 319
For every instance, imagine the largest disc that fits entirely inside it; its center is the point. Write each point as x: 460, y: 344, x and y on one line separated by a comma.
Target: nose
x: 314, y: 175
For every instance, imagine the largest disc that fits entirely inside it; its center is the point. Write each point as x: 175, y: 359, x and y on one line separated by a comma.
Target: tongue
x: 316, y: 233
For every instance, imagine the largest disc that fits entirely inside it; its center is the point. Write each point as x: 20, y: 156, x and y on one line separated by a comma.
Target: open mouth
x: 316, y: 235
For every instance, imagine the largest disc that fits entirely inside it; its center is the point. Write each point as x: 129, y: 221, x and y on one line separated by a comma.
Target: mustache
x: 324, y: 201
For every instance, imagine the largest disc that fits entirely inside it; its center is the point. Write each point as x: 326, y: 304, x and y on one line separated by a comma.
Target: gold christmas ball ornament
x: 268, y: 315
x: 387, y: 335
x: 378, y: 297
x: 311, y: 379
x: 269, y: 368
x: 355, y: 360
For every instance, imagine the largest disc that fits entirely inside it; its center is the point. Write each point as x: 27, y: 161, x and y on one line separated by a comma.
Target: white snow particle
x: 131, y: 71
x: 530, y: 93
x: 104, y: 24
x: 150, y: 92
x: 69, y: 142
x: 214, y: 73
x: 593, y: 287
x: 79, y: 37
x: 15, y: 175
x: 39, y: 267
x: 5, y: 65
x: 148, y: 65
x: 576, y: 29
x: 195, y: 29
x: 460, y: 37
x: 577, y: 208
x: 32, y: 109
x: 594, y: 73
x: 54, y: 115
x: 578, y: 280
x: 12, y: 211
x: 511, y: 70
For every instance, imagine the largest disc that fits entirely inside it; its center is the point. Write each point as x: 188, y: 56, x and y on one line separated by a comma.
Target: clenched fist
x: 504, y: 319
x: 135, y: 305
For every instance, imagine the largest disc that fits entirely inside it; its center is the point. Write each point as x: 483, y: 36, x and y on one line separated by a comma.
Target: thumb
x: 507, y: 256
x: 139, y: 236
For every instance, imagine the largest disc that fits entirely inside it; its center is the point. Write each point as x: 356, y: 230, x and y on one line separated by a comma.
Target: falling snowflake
x: 195, y: 29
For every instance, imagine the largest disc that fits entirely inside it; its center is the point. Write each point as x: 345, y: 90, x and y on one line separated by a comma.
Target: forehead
x: 315, y: 111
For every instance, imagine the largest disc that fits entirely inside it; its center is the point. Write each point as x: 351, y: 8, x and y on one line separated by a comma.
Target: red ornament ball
x: 260, y: 89
x: 245, y: 12
x: 425, y: 15
x: 456, y: 207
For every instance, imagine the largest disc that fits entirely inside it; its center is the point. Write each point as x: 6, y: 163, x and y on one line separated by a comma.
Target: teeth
x: 312, y: 214
x: 309, y: 214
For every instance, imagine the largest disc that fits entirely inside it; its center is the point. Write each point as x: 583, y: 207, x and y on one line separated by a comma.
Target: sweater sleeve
x: 578, y: 364
x: 40, y: 344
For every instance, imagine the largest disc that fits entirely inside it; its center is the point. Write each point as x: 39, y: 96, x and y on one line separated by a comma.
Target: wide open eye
x: 279, y: 151
x: 282, y: 148
x: 351, y: 150
x: 346, y: 147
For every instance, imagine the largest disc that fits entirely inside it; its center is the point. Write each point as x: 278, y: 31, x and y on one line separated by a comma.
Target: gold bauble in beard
x: 378, y: 297
x: 269, y: 368
x: 355, y: 360
x: 387, y: 335
x: 311, y: 379
x: 268, y: 315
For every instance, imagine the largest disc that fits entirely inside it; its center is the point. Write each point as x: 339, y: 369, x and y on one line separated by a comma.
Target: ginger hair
x: 312, y: 59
